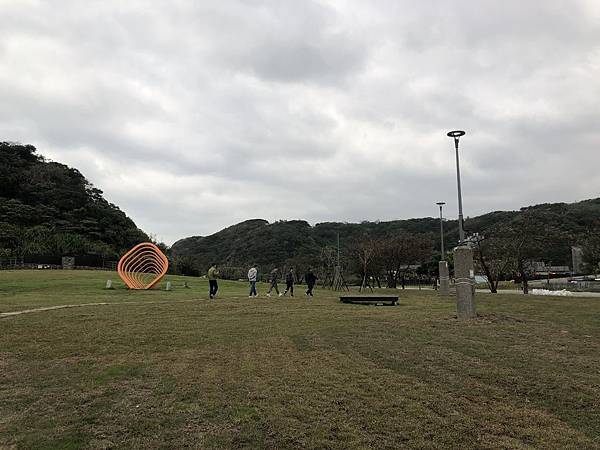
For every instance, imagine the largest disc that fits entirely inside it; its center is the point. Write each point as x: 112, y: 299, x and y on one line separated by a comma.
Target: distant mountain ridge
x: 297, y: 242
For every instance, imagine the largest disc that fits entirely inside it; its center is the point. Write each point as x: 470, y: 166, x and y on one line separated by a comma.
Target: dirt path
x: 48, y: 308
x: 51, y: 308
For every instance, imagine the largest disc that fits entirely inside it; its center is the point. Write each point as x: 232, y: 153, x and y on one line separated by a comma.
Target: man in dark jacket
x: 310, y: 279
x: 289, y: 282
x: 274, y: 279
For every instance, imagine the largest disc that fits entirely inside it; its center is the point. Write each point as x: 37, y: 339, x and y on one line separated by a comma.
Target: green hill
x: 297, y: 242
x: 48, y: 208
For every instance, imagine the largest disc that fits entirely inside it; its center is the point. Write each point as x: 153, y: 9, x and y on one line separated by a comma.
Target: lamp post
x: 338, y: 248
x: 464, y: 272
x: 441, y: 205
x: 461, y: 231
x: 443, y: 264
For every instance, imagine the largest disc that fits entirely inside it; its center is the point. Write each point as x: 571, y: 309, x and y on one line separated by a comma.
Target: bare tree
x: 521, y: 244
x: 328, y: 259
x: 367, y: 251
x: 399, y: 252
x: 492, y: 257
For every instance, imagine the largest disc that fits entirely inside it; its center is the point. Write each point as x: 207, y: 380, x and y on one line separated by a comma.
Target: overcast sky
x: 195, y: 115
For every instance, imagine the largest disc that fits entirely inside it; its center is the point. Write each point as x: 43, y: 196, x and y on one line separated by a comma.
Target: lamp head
x: 440, y: 203
x: 456, y: 134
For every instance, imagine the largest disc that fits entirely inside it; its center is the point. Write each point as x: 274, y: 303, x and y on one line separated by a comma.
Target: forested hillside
x: 554, y: 226
x: 49, y: 208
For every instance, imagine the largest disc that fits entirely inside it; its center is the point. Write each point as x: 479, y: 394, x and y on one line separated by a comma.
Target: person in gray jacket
x: 252, y: 279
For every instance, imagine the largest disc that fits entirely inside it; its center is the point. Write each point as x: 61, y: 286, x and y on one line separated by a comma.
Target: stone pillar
x: 577, y: 256
x: 68, y: 262
x: 444, y: 279
x: 464, y: 275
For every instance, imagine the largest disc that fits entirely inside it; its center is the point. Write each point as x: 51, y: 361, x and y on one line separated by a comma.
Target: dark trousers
x: 289, y: 286
x: 213, y: 287
x: 273, y: 286
x: 310, y: 288
x: 252, y: 288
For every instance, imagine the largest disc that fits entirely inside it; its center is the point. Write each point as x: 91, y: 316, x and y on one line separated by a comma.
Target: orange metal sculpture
x: 143, y: 266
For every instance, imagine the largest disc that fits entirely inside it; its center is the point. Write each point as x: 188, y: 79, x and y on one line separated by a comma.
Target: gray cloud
x: 194, y: 115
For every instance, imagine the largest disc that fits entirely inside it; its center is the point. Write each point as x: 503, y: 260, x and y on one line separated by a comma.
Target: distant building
x: 537, y: 266
x: 540, y: 268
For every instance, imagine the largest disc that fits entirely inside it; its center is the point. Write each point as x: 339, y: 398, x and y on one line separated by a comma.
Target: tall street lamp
x: 461, y: 230
x: 464, y: 272
x: 441, y: 205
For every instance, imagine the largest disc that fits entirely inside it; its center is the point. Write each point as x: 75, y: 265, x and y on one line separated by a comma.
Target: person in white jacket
x: 252, y: 279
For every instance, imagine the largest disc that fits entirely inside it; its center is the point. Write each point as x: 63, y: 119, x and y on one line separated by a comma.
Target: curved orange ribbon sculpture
x: 143, y: 266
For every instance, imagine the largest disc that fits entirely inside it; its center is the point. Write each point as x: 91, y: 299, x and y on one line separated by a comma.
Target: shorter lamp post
x: 441, y: 205
x: 443, y: 264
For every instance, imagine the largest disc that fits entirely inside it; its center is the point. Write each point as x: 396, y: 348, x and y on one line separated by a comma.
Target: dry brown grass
x: 172, y: 369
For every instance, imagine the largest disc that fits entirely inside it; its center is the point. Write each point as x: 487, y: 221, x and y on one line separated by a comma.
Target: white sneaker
x: 268, y: 295
x: 281, y: 295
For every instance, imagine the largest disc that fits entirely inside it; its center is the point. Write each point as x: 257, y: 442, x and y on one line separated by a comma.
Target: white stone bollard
x: 109, y: 284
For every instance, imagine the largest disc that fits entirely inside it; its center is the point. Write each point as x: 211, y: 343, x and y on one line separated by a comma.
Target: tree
x: 505, y: 249
x: 492, y: 257
x: 397, y: 253
x: 328, y: 261
x: 591, y: 249
x: 522, y: 242
x: 367, y: 250
x: 183, y: 265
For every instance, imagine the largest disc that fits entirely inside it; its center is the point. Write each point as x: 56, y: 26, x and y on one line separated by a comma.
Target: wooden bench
x: 370, y: 299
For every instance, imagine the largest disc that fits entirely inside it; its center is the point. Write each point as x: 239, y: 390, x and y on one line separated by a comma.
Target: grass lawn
x: 174, y: 369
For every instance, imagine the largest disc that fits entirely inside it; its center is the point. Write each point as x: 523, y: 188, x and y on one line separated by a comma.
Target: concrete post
x: 577, y: 256
x: 444, y: 278
x: 464, y: 275
x: 68, y: 262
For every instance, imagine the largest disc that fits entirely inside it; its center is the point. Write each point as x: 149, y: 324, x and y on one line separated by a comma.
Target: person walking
x: 310, y: 279
x: 289, y: 282
x: 252, y: 279
x: 274, y: 280
x: 213, y: 286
